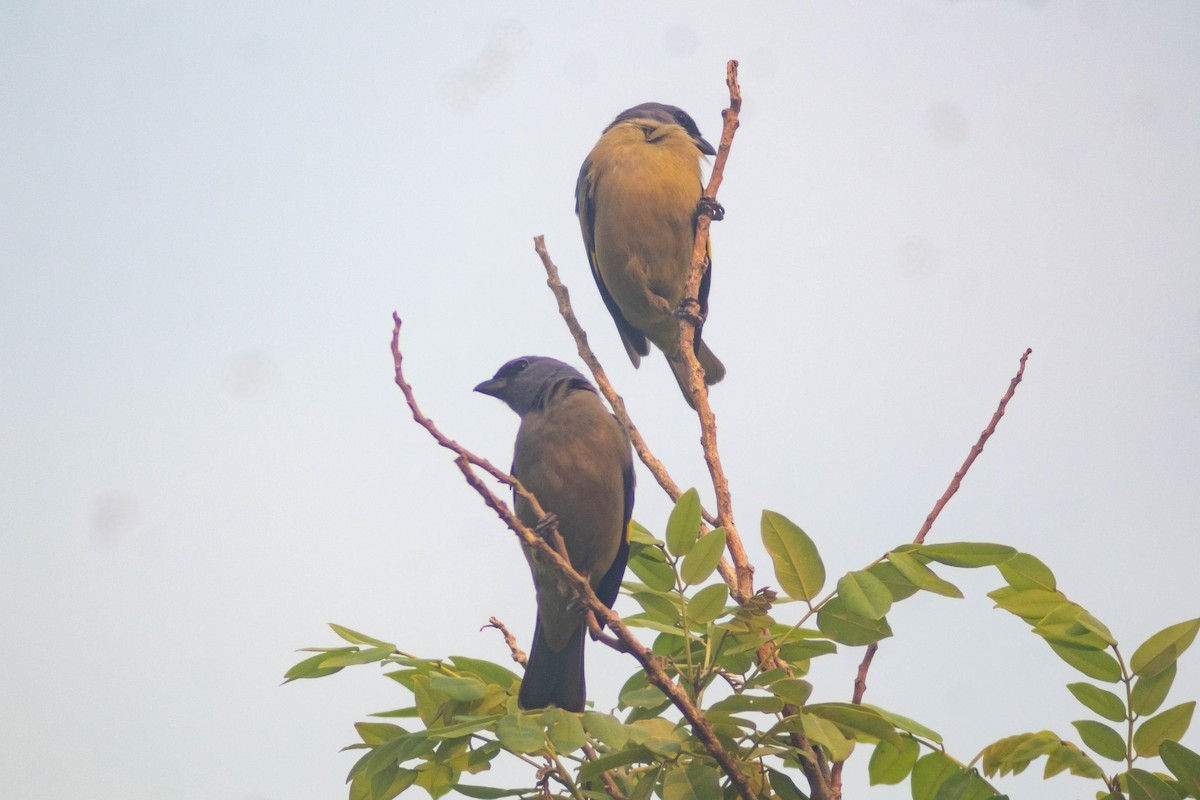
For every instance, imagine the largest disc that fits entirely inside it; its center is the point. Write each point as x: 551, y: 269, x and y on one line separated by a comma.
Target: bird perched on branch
x: 576, y: 460
x: 636, y: 199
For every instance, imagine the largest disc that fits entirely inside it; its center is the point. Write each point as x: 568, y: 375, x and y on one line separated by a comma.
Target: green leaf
x: 650, y: 565
x: 386, y: 784
x: 749, y: 702
x: 1030, y: 605
x: 1071, y: 758
x: 792, y: 690
x: 664, y: 738
x: 708, y: 603
x: 520, y: 733
x: 378, y: 732
x: 466, y: 689
x: 864, y: 594
x: 368, y: 656
x: 703, y: 558
x: 487, y: 792
x: 354, y: 637
x: 930, y: 772
x: 1095, y: 664
x: 968, y: 554
x: 905, y: 724
x: 857, y: 721
x: 1170, y: 724
x: 311, y: 667
x: 1024, y: 571
x: 1103, y: 702
x: 1144, y: 785
x: 783, y: 786
x: 605, y: 728
x: 643, y: 697
x: 564, y: 730
x: 658, y: 607
x: 638, y: 534
x: 645, y: 785
x: 1160, y: 650
x: 1101, y: 739
x: 900, y: 587
x: 1183, y: 763
x: 798, y: 565
x: 890, y: 764
x: 463, y: 726
x: 922, y: 576
x: 825, y: 733
x: 621, y: 758
x: 1063, y: 626
x: 683, y: 526
x: 839, y: 624
x: 1150, y: 691
x: 694, y: 781
x: 486, y: 671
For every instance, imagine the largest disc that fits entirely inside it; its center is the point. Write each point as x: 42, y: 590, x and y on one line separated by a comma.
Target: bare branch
x: 656, y: 467
x: 518, y: 655
x: 744, y: 585
x: 860, y: 682
x: 976, y: 449
x: 465, y: 461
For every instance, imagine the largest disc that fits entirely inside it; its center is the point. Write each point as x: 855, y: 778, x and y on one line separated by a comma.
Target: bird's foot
x: 709, y: 206
x: 689, y: 310
x: 545, y: 525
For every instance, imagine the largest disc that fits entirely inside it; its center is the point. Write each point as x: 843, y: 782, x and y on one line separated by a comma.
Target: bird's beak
x: 492, y: 386
x: 704, y: 146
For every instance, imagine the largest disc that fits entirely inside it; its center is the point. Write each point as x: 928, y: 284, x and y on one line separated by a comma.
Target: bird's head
x: 530, y: 382
x: 663, y: 114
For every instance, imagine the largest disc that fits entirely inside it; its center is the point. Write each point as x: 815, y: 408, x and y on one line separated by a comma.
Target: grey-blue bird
x: 575, y: 458
x: 636, y: 199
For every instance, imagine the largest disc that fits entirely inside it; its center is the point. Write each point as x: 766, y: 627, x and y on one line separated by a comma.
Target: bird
x: 576, y: 459
x: 636, y: 199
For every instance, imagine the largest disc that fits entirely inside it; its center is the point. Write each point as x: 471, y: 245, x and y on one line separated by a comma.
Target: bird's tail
x: 554, y: 677
x: 714, y: 370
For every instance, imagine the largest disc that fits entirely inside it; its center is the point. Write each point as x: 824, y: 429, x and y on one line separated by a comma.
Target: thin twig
x: 465, y: 461
x: 976, y: 449
x: 860, y: 682
x: 609, y: 783
x: 518, y: 655
x: 744, y: 586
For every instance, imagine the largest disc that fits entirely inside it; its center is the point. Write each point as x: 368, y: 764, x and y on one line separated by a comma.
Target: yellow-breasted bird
x: 576, y: 460
x: 636, y: 199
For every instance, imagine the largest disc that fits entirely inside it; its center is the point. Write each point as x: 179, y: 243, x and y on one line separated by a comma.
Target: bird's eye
x: 682, y: 118
x: 520, y: 365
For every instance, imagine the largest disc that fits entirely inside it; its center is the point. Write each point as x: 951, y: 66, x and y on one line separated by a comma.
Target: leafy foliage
x: 744, y: 666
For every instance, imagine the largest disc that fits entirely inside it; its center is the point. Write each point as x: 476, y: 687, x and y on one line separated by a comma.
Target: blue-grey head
x: 528, y: 383
x: 665, y: 115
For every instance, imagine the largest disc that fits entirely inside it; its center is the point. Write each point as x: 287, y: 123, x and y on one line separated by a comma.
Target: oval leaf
x: 798, y: 565
x: 703, y: 558
x: 1103, y: 702
x: 1150, y: 691
x: 520, y: 733
x: 922, y: 576
x: 708, y: 603
x: 891, y: 764
x: 839, y: 624
x: 968, y: 554
x: 1184, y: 765
x: 864, y: 594
x: 1160, y: 650
x: 1024, y: 571
x: 1101, y: 739
x: 1095, y: 664
x: 563, y: 729
x: 1171, y: 724
x: 683, y: 526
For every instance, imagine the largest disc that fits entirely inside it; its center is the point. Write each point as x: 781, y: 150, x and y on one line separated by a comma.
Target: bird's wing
x: 610, y: 584
x: 585, y: 208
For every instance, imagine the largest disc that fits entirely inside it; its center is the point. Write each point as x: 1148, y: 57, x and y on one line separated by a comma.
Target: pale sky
x: 209, y: 212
